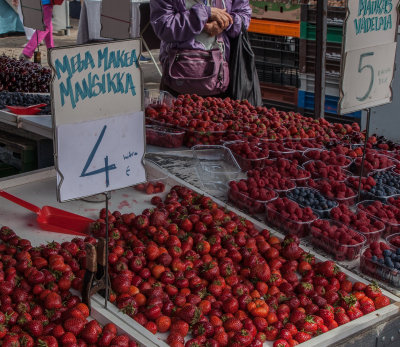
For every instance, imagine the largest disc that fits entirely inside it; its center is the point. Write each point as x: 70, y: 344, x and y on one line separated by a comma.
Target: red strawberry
x: 52, y: 301
x: 327, y: 268
x: 91, y: 332
x: 233, y: 324
x: 74, y: 325
x: 120, y: 341
x: 190, y: 314
x: 34, y: 327
x: 302, y: 336
x: 47, y: 341
x: 373, y: 290
x: 354, y: 313
x: 342, y: 318
x: 381, y: 301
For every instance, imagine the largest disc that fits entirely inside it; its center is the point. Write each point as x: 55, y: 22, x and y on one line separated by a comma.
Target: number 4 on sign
x: 106, y: 167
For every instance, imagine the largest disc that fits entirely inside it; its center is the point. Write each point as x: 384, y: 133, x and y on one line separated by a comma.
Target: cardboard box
x: 276, y: 10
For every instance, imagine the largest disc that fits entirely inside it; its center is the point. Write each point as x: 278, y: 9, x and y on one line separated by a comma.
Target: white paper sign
x: 97, y: 99
x: 101, y: 155
x: 370, y: 23
x: 96, y: 80
x: 115, y: 18
x: 32, y: 14
x: 368, y: 54
x: 367, y: 77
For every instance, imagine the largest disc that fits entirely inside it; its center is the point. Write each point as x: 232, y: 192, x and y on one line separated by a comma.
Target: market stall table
x: 39, y: 188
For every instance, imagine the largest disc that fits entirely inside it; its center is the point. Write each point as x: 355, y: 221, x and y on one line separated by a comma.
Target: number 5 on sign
x: 367, y: 78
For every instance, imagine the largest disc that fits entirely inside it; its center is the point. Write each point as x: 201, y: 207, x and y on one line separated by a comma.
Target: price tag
x: 32, y: 14
x: 101, y: 155
x: 98, y: 119
x: 367, y: 77
x: 368, y: 54
x: 115, y: 18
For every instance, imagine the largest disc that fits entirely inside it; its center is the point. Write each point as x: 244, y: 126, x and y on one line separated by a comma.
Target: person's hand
x: 223, y: 18
x: 213, y: 29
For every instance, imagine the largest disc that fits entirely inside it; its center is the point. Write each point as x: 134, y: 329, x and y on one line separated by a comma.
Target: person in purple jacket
x: 196, y: 24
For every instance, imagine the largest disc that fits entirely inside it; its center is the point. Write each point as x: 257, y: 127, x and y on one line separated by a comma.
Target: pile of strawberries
x: 384, y: 212
x: 374, y: 161
x: 334, y: 190
x: 152, y: 187
x: 188, y: 265
x: 328, y: 157
x: 249, y: 155
x: 209, y: 120
x: 319, y: 169
x: 395, y: 201
x: 366, y: 182
x: 370, y: 227
x: 289, y: 216
x: 347, y: 151
x: 286, y: 169
x: 37, y: 306
x: 271, y: 179
x: 250, y: 195
x: 337, y: 239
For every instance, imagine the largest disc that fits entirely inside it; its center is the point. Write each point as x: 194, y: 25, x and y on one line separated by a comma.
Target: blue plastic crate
x: 305, y: 100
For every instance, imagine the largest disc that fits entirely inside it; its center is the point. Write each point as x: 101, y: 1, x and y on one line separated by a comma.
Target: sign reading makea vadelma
x: 98, y: 118
x: 368, y: 54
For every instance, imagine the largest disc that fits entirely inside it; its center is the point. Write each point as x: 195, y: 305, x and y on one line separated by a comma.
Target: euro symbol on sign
x: 127, y: 171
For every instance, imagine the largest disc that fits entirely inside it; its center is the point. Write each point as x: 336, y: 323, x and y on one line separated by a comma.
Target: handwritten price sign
x: 368, y: 54
x: 100, y: 155
x: 98, y: 118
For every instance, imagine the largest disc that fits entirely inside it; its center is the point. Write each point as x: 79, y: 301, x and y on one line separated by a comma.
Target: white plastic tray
x: 39, y: 188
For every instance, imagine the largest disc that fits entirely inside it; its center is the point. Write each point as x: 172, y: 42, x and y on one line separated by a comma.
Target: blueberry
x: 381, y: 260
x: 394, y: 256
x: 374, y: 258
x: 398, y: 251
x: 397, y: 265
x: 387, y: 253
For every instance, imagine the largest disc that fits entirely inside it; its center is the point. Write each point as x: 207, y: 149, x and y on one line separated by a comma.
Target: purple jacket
x: 177, y: 27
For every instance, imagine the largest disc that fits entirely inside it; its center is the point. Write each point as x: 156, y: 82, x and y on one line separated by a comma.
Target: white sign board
x: 100, y: 155
x: 98, y: 120
x: 367, y: 77
x: 370, y: 23
x: 32, y: 14
x: 115, y: 18
x: 368, y: 54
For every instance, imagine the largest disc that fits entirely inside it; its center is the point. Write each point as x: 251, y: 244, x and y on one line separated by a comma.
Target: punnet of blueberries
x: 23, y: 99
x: 312, y: 198
x: 388, y: 178
x: 390, y: 258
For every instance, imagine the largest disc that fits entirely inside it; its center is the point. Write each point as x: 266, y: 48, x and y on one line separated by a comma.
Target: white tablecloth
x: 89, y: 23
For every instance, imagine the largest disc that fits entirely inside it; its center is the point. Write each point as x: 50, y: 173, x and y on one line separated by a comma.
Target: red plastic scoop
x: 53, y: 219
x: 26, y: 110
